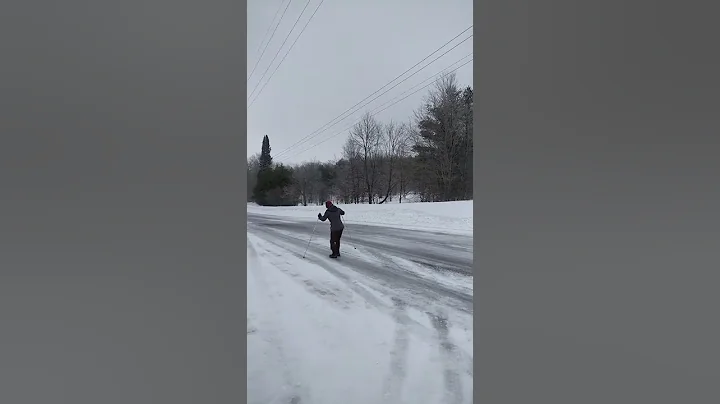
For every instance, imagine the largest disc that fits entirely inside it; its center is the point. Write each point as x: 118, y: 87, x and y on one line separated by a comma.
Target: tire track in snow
x: 448, y: 355
x: 385, y: 274
x: 447, y: 252
x: 295, y: 246
x: 294, y: 394
x: 457, y: 299
x: 352, y: 284
x: 333, y: 295
x: 392, y: 390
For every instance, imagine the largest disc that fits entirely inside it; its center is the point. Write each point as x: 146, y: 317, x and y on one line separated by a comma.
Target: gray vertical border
x: 596, y: 198
x: 477, y: 184
x: 242, y: 293
x: 122, y: 202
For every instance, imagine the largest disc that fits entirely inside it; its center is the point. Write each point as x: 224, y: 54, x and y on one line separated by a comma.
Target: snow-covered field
x: 371, y: 327
x: 451, y: 217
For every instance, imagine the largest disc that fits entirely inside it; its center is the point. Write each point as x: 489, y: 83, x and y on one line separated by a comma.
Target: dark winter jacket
x: 333, y: 213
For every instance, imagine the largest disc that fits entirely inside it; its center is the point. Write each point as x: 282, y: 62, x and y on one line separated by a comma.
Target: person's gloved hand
x: 319, y: 216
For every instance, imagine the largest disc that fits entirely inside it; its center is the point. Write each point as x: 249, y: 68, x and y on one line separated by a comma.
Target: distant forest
x: 430, y: 157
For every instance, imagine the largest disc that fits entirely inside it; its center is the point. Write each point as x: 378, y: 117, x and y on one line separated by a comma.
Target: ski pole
x: 311, y: 236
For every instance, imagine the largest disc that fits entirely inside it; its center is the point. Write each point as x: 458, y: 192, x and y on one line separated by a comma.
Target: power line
x: 322, y: 128
x: 377, y: 110
x: 434, y: 76
x: 270, y: 26
x: 271, y: 37
x: 280, y: 48
x: 286, y: 54
x: 352, y: 111
x: 325, y: 127
x: 375, y: 113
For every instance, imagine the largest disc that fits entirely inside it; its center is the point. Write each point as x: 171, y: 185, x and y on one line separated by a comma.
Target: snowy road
x: 388, y: 322
x: 443, y: 251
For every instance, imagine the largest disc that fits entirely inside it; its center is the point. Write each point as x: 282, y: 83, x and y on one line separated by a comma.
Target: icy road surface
x: 388, y: 322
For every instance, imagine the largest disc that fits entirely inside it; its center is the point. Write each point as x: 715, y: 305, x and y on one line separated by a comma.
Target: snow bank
x: 448, y: 217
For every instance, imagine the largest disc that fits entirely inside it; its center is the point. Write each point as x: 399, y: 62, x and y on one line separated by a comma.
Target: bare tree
x: 430, y: 156
x: 402, y: 152
x: 353, y: 173
x: 394, y: 145
x: 326, y: 181
x: 307, y: 177
x: 366, y: 136
x: 343, y: 185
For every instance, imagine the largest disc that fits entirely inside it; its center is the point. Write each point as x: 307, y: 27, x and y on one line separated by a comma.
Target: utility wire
x: 352, y: 111
x: 280, y: 48
x: 270, y: 26
x: 271, y: 37
x: 286, y: 54
x: 432, y: 77
x: 378, y: 109
x: 324, y: 127
x: 375, y: 113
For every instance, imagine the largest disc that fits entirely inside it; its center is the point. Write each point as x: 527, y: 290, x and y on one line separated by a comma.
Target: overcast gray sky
x: 350, y: 49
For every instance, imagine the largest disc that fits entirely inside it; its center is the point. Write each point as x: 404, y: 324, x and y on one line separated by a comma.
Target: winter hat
x: 328, y: 204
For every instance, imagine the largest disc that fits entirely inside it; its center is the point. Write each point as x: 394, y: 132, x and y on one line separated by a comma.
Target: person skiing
x: 333, y: 214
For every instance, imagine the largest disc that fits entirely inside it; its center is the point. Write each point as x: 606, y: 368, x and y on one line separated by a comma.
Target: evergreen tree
x: 442, y: 145
x: 264, y: 173
x: 265, y: 158
x: 279, y: 182
x: 274, y: 183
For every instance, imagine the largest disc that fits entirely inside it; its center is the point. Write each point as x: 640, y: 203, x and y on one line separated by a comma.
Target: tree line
x: 429, y: 156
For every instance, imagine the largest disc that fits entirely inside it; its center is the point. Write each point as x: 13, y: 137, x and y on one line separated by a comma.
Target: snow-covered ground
x: 376, y: 325
x: 450, y: 217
